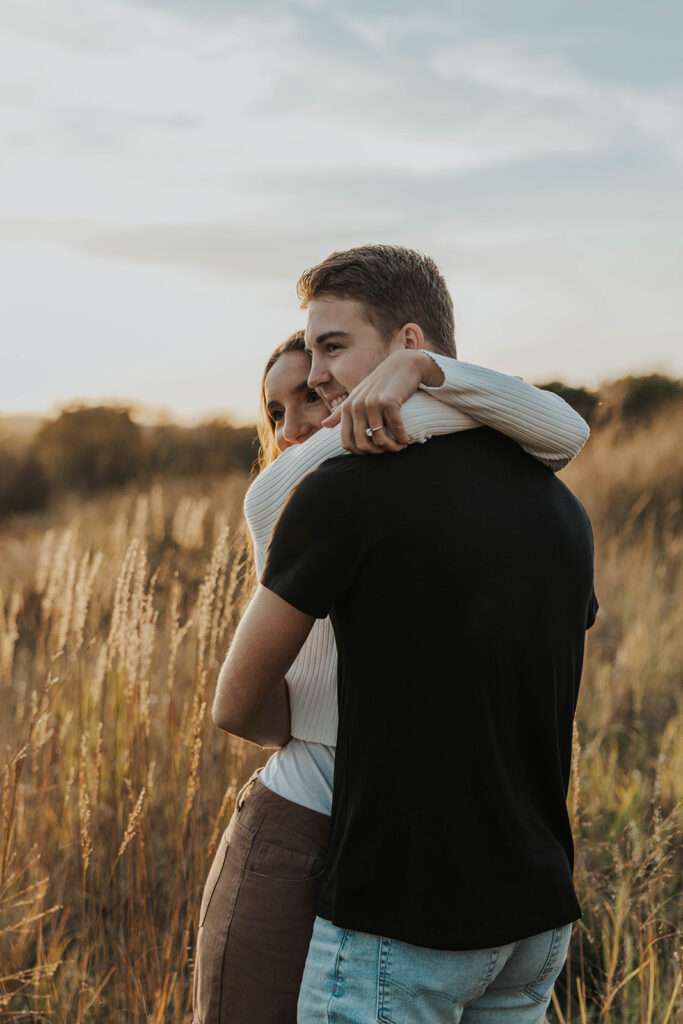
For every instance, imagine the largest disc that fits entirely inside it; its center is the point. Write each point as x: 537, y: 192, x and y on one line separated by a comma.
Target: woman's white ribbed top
x: 471, y: 396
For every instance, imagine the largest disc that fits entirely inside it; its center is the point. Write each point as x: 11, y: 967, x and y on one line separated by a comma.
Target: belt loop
x: 247, y: 788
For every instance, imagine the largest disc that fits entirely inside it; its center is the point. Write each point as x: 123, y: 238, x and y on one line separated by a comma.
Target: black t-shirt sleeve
x: 319, y: 539
x: 592, y: 610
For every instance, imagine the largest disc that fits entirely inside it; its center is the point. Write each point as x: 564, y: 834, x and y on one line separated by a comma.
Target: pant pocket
x: 542, y: 985
x: 422, y: 985
x: 280, y: 853
x: 266, y: 949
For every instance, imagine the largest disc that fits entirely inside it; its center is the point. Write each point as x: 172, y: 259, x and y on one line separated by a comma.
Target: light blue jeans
x: 356, y: 978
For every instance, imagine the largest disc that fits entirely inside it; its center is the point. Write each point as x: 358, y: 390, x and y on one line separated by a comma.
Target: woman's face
x: 295, y: 410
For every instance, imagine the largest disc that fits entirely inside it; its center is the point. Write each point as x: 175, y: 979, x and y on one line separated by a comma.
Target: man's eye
x: 312, y: 397
x: 332, y: 346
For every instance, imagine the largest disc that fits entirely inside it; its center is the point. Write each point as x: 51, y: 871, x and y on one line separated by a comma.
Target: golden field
x: 115, y: 614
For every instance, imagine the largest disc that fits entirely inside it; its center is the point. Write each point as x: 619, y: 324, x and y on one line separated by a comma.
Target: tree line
x: 85, y: 450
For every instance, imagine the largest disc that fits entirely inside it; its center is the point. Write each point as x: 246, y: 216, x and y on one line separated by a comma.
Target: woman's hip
x: 258, y: 909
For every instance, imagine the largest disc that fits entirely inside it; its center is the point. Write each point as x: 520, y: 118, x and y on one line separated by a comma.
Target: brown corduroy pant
x: 257, y: 911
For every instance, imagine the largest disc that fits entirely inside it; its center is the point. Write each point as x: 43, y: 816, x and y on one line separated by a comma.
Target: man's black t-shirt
x: 459, y: 578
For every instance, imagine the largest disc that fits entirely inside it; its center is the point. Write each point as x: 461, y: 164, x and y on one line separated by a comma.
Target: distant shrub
x: 583, y: 401
x: 209, y: 449
x: 644, y: 396
x: 88, y: 449
x: 24, y: 486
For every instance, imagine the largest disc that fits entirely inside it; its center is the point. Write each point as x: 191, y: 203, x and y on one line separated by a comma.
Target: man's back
x: 458, y: 576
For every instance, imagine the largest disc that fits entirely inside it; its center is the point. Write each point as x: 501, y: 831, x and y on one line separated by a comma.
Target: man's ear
x: 412, y: 336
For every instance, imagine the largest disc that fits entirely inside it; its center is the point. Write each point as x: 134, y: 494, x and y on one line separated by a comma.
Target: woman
x: 289, y: 411
x: 256, y: 920
x: 258, y: 906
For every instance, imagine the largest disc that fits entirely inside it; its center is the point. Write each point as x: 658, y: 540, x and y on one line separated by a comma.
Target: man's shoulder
x: 334, y: 476
x: 479, y: 450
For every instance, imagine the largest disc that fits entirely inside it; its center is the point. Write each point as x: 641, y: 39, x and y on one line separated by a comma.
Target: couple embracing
x: 414, y: 649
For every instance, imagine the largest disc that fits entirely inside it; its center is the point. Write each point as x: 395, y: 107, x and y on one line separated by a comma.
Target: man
x: 458, y: 576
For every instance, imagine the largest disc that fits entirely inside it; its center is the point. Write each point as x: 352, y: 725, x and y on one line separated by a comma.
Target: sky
x: 168, y: 168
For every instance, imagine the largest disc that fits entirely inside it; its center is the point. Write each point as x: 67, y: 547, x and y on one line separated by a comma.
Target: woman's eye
x: 276, y: 416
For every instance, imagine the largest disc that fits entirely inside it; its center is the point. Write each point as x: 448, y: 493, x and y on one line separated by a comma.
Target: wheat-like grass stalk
x: 9, y: 632
x: 177, y: 633
x: 187, y: 528
x: 132, y: 826
x: 193, y: 778
x: 65, y: 607
x: 208, y: 597
x: 87, y: 572
x: 56, y: 573
x: 84, y: 809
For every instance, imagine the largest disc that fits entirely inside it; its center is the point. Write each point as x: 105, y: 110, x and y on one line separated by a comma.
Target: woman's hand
x: 375, y: 404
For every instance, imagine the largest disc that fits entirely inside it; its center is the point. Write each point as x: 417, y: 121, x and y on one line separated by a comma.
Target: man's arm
x: 541, y: 422
x: 466, y: 396
x: 251, y: 696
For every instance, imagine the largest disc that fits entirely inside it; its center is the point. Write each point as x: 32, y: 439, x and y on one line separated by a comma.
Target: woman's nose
x: 296, y: 430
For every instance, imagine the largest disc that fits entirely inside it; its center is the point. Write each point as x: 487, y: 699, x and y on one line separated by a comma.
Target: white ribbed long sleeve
x: 540, y: 421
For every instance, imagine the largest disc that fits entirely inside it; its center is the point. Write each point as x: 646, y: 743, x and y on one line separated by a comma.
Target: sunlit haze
x: 169, y: 169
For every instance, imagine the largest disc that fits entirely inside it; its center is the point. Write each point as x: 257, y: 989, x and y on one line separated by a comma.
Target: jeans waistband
x: 255, y: 802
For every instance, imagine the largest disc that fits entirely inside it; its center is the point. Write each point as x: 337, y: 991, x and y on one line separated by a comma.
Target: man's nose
x: 318, y: 374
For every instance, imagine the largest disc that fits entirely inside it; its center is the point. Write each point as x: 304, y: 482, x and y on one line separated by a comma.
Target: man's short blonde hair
x: 395, y: 285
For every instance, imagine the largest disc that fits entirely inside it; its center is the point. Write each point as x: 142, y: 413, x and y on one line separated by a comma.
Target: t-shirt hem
x: 459, y: 940
x: 293, y: 597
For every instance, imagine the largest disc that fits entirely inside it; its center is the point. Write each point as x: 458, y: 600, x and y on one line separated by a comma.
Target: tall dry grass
x: 115, y: 783
x: 626, y: 797
x: 114, y: 618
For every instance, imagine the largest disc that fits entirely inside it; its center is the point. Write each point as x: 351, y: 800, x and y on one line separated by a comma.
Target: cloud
x: 657, y: 117
x: 579, y: 104
x: 218, y: 252
x: 221, y: 146
x: 178, y: 115
x: 504, y: 66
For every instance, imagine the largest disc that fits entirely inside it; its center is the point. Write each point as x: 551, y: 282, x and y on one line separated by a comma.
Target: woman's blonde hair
x: 265, y: 426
